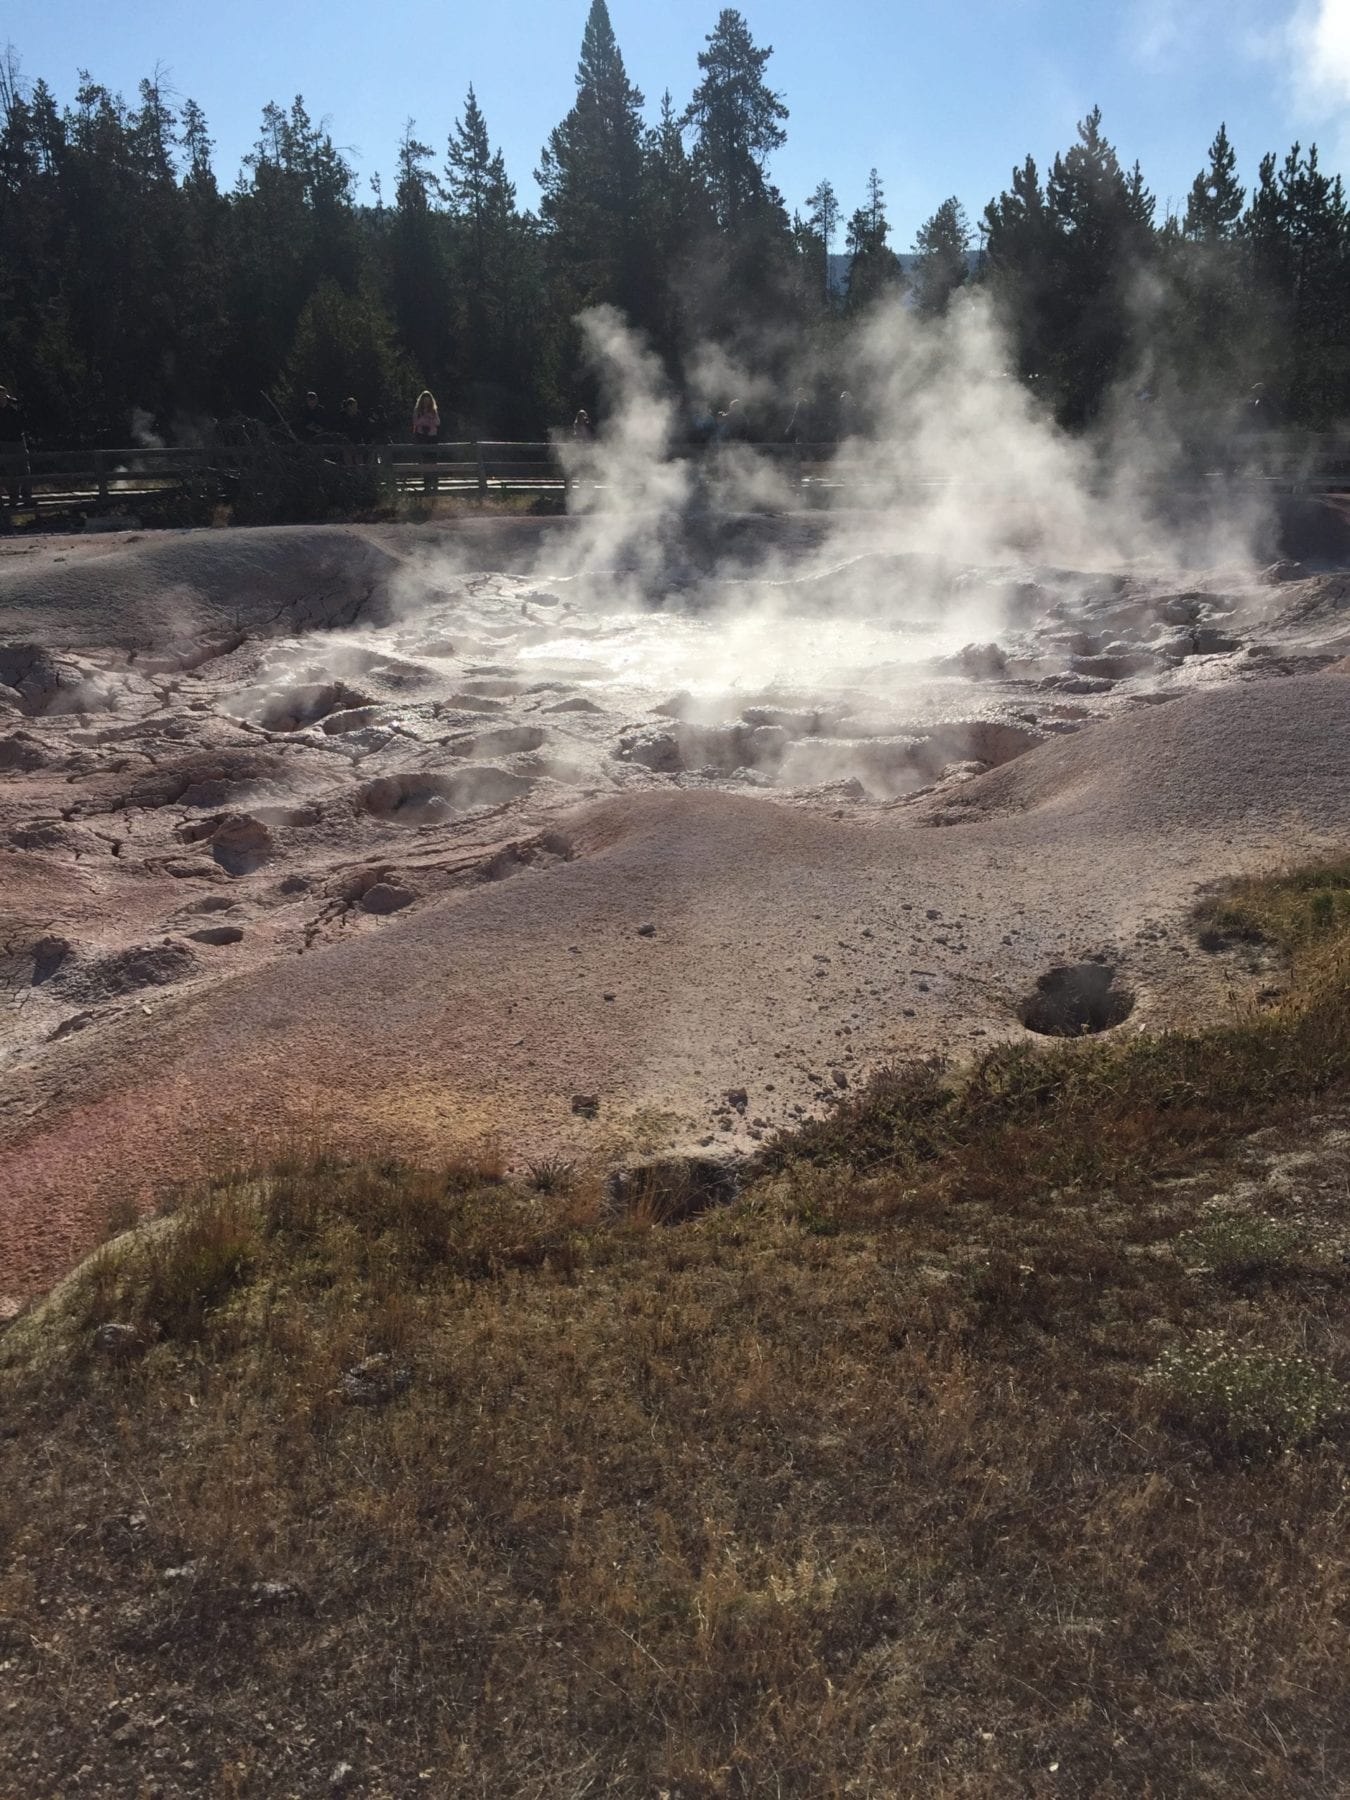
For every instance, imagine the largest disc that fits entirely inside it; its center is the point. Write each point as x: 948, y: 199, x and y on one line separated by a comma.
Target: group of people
x: 351, y: 429
x: 317, y: 424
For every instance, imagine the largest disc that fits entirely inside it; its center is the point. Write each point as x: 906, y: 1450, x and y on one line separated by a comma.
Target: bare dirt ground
x: 420, y: 835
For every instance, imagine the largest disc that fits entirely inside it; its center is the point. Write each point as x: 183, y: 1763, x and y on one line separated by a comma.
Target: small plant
x: 814, y: 1220
x: 191, y: 1268
x: 550, y: 1175
x: 1238, y: 1246
x: 1323, y: 911
x: 1245, y: 1400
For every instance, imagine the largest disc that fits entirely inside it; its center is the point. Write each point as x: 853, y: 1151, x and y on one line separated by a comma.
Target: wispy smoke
x: 143, y: 433
x: 626, y: 488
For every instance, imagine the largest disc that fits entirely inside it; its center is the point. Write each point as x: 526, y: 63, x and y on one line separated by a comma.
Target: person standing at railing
x: 798, y: 428
x: 354, y: 428
x: 314, y: 426
x: 14, y: 464
x: 426, y: 430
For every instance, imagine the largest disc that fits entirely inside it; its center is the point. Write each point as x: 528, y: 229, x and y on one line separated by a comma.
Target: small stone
x: 655, y: 750
x: 342, y: 1778
x: 586, y: 1106
x: 738, y: 1098
x: 117, y: 1340
x: 609, y: 996
x: 375, y: 1380
x: 76, y: 1022
x: 839, y: 1078
x: 982, y: 662
x: 241, y: 844
x: 273, y: 1593
x: 646, y: 931
x: 386, y: 897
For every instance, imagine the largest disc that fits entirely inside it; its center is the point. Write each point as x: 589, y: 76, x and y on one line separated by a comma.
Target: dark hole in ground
x: 1076, y: 1000
x: 671, y: 1189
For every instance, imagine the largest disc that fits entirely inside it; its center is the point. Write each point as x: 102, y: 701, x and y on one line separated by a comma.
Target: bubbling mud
x: 305, y: 761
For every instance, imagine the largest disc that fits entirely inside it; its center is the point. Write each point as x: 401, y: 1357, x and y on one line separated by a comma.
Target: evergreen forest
x: 140, y: 296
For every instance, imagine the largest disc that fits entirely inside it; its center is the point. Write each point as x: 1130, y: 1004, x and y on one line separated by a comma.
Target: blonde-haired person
x: 426, y: 429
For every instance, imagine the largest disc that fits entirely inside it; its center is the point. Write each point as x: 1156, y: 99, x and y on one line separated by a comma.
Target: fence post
x: 482, y: 469
x: 101, y: 471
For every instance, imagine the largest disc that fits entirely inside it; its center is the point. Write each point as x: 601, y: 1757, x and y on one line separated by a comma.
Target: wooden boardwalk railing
x: 73, y: 481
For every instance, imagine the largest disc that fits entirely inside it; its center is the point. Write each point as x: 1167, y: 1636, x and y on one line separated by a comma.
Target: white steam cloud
x: 953, y: 458
x: 1319, y: 42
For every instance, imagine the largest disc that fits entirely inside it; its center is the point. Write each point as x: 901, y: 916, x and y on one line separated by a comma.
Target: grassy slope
x: 913, y: 1472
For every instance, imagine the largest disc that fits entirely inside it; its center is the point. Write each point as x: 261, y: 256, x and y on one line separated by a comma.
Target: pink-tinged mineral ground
x: 419, y: 836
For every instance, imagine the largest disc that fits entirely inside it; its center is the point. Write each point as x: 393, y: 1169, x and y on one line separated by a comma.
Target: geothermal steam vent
x: 431, y: 835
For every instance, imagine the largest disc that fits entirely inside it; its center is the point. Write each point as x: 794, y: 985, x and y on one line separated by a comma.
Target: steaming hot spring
x: 421, y: 835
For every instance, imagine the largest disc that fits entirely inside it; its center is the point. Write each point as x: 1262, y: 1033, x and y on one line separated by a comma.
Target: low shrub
x: 1239, y: 1246
x: 1245, y: 1400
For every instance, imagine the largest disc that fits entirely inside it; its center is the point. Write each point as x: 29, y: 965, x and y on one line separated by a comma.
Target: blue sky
x: 940, y: 98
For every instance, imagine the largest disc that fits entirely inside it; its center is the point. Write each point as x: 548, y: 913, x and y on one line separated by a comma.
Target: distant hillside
x: 908, y: 259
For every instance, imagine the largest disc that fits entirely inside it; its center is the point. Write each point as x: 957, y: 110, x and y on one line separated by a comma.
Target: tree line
x: 138, y: 295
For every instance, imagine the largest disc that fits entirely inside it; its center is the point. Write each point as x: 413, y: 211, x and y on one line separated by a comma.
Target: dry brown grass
x: 876, y: 1482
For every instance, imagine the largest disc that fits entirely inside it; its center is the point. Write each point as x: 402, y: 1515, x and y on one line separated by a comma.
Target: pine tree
x: 823, y: 222
x: 468, y: 180
x: 1297, y: 232
x: 737, y: 119
x: 874, y: 268
x: 1214, y: 206
x: 1102, y: 236
x: 417, y: 272
x: 677, y: 220
x: 943, y: 244
x: 590, y: 175
x: 500, y: 356
x: 345, y: 344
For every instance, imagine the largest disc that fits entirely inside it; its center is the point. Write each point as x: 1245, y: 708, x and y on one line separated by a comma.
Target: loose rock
x: 386, y: 897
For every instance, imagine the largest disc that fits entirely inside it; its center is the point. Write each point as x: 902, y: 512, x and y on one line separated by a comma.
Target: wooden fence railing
x: 69, y: 481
